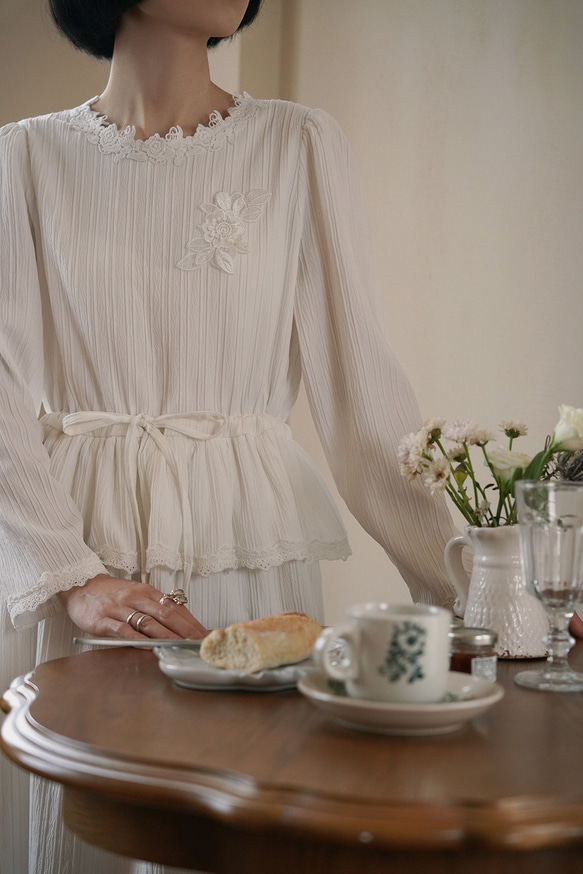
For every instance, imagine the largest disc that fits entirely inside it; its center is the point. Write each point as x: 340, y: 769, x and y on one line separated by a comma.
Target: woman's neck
x: 159, y: 78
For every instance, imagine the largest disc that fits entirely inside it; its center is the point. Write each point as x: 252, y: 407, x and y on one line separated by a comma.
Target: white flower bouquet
x: 451, y: 468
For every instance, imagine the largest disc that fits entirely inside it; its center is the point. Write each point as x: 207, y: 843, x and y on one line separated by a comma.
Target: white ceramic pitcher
x: 496, y: 596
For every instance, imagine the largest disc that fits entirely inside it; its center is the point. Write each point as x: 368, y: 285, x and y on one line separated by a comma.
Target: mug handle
x: 348, y: 669
x: 455, y: 568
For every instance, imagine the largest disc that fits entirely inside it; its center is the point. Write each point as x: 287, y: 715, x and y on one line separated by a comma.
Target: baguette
x: 262, y: 643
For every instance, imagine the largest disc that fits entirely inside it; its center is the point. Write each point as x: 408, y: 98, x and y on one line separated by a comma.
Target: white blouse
x: 162, y: 299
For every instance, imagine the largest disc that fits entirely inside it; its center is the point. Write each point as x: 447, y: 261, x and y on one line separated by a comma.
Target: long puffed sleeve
x: 41, y: 531
x: 361, y: 401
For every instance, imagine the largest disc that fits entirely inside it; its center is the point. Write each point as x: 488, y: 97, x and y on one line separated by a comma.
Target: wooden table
x: 247, y: 783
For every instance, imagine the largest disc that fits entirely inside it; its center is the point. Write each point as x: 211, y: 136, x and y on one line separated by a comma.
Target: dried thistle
x: 569, y: 466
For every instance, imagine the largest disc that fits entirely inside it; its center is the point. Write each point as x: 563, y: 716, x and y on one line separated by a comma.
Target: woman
x: 173, y: 259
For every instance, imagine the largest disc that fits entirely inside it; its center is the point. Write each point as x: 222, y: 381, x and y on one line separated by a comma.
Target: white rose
x: 569, y: 431
x: 506, y: 461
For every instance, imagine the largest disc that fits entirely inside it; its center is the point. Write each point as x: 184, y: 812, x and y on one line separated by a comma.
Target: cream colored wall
x: 467, y: 121
x: 40, y: 72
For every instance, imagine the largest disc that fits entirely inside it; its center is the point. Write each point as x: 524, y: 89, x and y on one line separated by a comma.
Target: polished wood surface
x: 240, y: 782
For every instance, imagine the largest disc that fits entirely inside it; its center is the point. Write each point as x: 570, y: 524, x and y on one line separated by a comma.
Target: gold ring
x: 132, y: 614
x: 141, y: 619
x: 176, y: 595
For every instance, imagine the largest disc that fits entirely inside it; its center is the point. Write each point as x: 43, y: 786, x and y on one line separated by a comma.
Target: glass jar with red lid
x: 472, y: 651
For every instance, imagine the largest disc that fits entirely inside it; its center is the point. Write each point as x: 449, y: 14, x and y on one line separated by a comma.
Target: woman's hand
x: 103, y: 604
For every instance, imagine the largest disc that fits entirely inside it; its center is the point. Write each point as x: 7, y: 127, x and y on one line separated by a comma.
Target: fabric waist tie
x: 196, y: 426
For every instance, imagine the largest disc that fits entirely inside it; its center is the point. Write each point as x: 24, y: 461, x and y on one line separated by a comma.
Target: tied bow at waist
x: 197, y: 426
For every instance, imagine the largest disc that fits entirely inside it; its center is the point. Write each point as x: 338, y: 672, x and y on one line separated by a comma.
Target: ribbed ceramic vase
x: 496, y: 596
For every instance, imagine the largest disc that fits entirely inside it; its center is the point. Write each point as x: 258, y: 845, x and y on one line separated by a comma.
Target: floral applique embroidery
x: 222, y: 233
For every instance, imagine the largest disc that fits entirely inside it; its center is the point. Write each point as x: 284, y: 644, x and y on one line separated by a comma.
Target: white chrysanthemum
x: 456, y: 452
x: 433, y: 428
x: 460, y: 430
x: 514, y: 429
x: 410, y: 455
x: 480, y: 437
x: 437, y: 475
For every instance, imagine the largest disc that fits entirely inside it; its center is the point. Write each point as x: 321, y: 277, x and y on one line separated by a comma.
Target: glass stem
x: 558, y: 642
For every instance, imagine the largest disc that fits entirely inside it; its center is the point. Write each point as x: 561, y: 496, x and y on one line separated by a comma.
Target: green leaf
x: 537, y: 465
x: 460, y: 474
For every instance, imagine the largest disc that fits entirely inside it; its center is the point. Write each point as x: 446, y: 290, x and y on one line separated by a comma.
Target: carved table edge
x: 520, y: 823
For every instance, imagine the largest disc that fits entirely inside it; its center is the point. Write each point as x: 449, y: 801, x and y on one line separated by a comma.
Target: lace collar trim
x: 174, y: 146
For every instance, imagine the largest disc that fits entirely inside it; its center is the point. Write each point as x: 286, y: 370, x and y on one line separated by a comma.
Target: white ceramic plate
x: 470, y: 697
x: 187, y: 669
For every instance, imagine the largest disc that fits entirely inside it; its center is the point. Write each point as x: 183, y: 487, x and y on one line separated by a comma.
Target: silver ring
x: 141, y: 619
x: 130, y: 617
x: 176, y: 595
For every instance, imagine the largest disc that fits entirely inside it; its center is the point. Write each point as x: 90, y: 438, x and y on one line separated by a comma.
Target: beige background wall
x: 467, y: 121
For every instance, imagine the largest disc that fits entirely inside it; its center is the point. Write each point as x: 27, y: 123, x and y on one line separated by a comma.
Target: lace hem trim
x: 227, y: 558
x: 174, y: 146
x: 52, y: 583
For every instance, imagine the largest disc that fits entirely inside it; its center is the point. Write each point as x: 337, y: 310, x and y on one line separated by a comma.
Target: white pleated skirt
x: 32, y: 837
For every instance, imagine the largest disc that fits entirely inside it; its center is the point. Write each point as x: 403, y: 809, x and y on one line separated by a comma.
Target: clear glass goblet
x: 550, y: 515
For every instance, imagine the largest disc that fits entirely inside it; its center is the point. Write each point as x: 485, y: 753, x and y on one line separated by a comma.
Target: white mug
x: 390, y: 652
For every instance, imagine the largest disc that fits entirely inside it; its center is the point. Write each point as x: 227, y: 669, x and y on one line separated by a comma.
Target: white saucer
x: 472, y: 697
x: 188, y: 669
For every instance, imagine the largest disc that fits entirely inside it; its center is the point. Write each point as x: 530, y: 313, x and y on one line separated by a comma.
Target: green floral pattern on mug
x: 404, y: 653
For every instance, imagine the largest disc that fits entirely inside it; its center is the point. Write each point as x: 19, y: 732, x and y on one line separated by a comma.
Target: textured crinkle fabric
x: 194, y: 279
x: 247, y: 494
x: 160, y: 302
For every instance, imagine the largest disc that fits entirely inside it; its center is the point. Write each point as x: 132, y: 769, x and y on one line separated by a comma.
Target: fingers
x: 103, y: 606
x: 115, y: 628
x: 166, y: 614
x: 171, y: 620
x: 167, y: 620
x: 179, y: 618
x: 143, y: 624
x: 147, y: 626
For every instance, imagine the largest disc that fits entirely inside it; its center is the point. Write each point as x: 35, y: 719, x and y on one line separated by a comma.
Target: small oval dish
x: 188, y: 669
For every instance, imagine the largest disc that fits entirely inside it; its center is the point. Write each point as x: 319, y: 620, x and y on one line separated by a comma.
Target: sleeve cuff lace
x: 28, y: 608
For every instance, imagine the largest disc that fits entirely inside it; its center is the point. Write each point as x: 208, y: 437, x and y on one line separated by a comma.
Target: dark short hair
x: 91, y: 25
